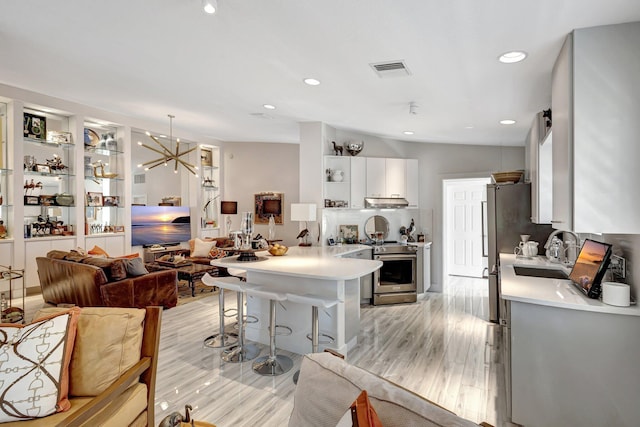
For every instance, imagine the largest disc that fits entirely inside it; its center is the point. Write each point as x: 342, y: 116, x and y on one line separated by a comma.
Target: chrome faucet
x: 566, y: 244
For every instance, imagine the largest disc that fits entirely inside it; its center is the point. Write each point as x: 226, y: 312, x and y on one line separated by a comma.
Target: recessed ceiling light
x: 210, y: 6
x: 507, y: 122
x: 512, y: 57
x: 312, y: 82
x: 269, y: 106
x: 469, y: 127
x: 408, y: 132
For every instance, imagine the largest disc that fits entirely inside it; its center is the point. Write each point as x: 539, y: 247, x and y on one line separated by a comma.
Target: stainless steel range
x: 396, y: 281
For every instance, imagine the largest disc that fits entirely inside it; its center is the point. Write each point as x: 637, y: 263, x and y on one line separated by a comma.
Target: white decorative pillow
x: 34, y: 366
x: 201, y: 248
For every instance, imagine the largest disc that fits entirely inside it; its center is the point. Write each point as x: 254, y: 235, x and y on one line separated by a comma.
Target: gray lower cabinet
x: 573, y: 367
x: 366, y: 282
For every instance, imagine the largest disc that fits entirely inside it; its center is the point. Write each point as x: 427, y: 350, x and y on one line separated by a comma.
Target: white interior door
x: 464, y: 227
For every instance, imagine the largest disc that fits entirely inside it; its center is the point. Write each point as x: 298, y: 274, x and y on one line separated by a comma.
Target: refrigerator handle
x: 483, y: 206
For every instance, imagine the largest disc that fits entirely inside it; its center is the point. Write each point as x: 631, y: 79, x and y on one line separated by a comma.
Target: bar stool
x: 314, y: 301
x: 271, y: 364
x: 241, y: 275
x: 221, y: 339
x: 241, y: 351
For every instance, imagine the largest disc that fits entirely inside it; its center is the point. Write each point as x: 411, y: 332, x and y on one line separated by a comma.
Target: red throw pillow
x: 97, y: 250
x: 362, y: 413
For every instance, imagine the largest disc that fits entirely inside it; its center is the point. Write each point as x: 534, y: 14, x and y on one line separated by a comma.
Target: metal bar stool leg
x: 221, y: 339
x: 272, y: 364
x: 241, y: 352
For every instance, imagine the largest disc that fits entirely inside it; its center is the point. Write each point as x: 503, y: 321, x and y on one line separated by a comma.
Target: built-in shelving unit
x: 67, y: 179
x: 209, y: 197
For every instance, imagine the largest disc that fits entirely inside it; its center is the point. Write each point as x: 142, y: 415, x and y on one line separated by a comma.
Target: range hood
x: 385, y: 202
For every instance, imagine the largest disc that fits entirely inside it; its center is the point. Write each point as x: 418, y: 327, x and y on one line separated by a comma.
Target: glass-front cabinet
x: 103, y: 180
x: 49, y: 175
x: 5, y: 177
x: 210, y: 190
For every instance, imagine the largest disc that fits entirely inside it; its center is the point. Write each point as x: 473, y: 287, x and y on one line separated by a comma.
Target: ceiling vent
x: 391, y: 69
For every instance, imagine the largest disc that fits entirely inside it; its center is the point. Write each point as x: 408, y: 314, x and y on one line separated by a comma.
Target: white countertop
x: 550, y: 292
x: 319, y: 262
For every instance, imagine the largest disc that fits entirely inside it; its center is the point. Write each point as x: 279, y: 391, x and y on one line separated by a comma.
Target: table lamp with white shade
x: 303, y: 212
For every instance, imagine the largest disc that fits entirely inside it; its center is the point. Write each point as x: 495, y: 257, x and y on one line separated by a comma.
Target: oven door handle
x: 391, y: 257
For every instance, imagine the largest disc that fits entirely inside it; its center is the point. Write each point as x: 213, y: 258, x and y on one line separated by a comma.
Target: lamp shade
x: 303, y: 212
x: 228, y: 208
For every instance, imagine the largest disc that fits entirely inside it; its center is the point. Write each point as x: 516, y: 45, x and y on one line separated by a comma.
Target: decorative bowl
x: 354, y: 147
x: 278, y: 250
x: 504, y: 177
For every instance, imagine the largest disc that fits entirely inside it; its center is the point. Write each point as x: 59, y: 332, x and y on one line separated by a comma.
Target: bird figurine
x: 304, y: 236
x: 410, y: 230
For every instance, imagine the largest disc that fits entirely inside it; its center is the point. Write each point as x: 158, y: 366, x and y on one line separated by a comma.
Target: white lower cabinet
x: 39, y: 247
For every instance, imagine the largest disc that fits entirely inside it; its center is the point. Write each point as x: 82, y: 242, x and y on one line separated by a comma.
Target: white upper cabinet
x: 539, y: 164
x: 395, y: 177
x: 358, y: 181
x: 596, y: 104
x: 376, y: 177
x: 412, y: 193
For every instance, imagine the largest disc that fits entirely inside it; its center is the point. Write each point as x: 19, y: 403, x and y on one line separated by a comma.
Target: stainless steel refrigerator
x: 507, y: 215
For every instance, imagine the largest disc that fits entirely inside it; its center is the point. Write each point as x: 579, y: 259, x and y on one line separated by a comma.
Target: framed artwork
x: 94, y: 199
x: 43, y: 168
x: 268, y: 205
x: 111, y: 201
x: 118, y: 228
x: 47, y: 200
x: 206, y: 157
x: 35, y: 126
x: 349, y: 232
x: 31, y: 200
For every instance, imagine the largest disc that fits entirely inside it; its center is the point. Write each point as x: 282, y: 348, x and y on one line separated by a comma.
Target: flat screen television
x: 590, y: 266
x: 160, y: 225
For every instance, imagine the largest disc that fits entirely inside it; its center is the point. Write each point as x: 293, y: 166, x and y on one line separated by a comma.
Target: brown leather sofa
x: 66, y: 278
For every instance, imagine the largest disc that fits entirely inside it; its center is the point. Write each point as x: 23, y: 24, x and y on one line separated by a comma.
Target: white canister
x: 618, y: 294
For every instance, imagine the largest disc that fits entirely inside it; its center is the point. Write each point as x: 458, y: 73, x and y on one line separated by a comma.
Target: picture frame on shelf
x: 111, y: 201
x: 31, y: 200
x: 35, y: 126
x: 206, y: 157
x: 94, y: 199
x: 59, y: 137
x: 118, y: 228
x: 43, y: 168
x: 47, y: 200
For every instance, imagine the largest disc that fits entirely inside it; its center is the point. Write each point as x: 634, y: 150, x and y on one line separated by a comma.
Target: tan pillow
x: 201, y: 248
x: 108, y: 342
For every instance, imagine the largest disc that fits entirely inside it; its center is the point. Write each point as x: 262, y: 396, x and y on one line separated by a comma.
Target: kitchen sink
x: 549, y: 273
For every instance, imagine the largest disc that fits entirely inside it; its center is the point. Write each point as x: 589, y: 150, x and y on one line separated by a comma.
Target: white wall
x: 251, y: 168
x: 629, y: 245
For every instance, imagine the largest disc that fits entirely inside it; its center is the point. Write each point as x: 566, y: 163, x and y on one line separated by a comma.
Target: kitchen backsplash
x: 332, y: 219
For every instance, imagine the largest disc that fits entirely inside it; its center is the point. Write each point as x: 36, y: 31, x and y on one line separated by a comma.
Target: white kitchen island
x: 307, y: 270
x: 573, y: 360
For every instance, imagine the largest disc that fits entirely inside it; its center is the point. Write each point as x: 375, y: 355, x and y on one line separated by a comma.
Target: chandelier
x: 167, y: 153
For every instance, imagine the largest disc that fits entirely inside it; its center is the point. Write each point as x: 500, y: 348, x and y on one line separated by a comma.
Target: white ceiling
x: 147, y: 59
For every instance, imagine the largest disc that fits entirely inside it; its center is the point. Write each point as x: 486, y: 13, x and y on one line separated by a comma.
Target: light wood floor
x: 442, y: 348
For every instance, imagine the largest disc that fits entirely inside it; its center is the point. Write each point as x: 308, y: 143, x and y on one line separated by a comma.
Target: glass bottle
x: 272, y: 228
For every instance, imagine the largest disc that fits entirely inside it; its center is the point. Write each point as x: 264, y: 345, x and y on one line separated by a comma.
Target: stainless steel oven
x: 396, y: 281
